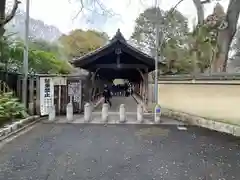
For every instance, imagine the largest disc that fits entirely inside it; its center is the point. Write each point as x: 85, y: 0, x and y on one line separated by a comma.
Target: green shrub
x: 10, y: 108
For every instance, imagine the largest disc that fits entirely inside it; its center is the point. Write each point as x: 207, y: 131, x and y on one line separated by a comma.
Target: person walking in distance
x: 107, y: 95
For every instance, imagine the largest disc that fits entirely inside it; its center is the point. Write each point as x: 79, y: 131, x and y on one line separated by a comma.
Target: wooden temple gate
x: 117, y: 60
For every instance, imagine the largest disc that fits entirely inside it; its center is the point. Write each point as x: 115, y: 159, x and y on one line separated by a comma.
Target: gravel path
x: 120, y: 152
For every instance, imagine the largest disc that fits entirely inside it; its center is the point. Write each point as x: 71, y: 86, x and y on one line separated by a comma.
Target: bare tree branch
x: 11, y: 15
x: 205, y: 1
x: 176, y: 5
x: 80, y: 10
x: 97, y: 7
x: 104, y: 8
x: 170, y: 13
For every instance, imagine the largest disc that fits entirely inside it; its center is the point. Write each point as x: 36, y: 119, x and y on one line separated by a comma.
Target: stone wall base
x: 202, y: 122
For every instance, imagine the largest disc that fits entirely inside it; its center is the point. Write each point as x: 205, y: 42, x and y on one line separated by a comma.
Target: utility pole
x: 25, y: 56
x: 156, y: 54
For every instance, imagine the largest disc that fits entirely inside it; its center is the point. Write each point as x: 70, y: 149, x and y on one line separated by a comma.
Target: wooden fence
x: 12, y: 82
x: 8, y: 82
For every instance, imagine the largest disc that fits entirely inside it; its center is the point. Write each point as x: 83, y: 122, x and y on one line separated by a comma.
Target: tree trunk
x: 224, y: 41
x: 2, y: 10
x: 200, y: 11
x: 200, y: 15
x: 4, y: 19
x: 225, y: 36
x: 2, y: 16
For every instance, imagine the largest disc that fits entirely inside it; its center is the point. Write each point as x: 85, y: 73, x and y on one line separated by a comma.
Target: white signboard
x: 75, y: 91
x: 46, y: 94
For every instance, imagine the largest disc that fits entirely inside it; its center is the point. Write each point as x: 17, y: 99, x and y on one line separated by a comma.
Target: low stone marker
x: 69, y: 111
x: 157, y: 114
x: 105, y: 112
x: 140, y: 113
x: 13, y: 127
x: 52, y: 113
x: 122, y: 113
x: 87, y: 112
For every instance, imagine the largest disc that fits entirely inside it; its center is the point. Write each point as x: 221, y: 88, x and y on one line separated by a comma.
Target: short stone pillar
x: 122, y: 113
x: 69, y: 112
x: 14, y: 127
x: 105, y: 112
x: 87, y: 112
x: 31, y: 108
x: 52, y: 113
x: 157, y: 114
x: 140, y: 113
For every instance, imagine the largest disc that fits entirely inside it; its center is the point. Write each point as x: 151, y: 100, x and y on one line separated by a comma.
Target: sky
x: 62, y: 13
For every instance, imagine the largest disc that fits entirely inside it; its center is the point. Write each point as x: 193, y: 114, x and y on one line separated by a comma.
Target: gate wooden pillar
x: 89, y: 86
x: 144, y: 89
x: 141, y: 88
x: 150, y: 88
x: 94, y: 83
x: 146, y: 86
x: 142, y: 83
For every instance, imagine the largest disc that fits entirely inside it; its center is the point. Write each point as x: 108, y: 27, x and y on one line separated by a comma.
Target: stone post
x: 87, y: 112
x: 140, y: 113
x: 122, y: 113
x: 105, y: 112
x: 69, y: 111
x: 157, y: 114
x: 52, y: 113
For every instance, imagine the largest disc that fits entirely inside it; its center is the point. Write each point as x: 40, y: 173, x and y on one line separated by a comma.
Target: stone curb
x: 18, y: 126
x: 202, y: 122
